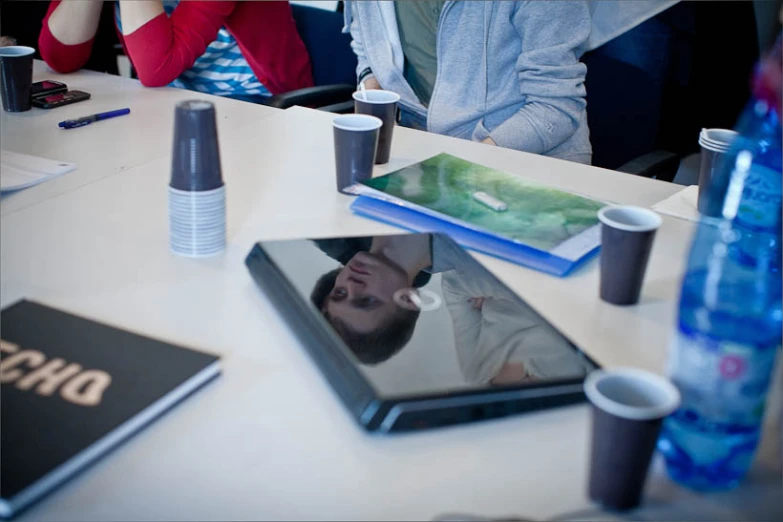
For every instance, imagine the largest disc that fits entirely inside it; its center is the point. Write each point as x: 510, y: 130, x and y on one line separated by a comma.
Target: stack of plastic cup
x: 715, y: 145
x: 197, y: 197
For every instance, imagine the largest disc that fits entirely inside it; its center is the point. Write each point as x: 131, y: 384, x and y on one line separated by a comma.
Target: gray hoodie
x: 508, y: 70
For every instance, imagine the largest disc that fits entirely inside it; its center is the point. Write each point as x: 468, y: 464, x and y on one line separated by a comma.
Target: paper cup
x: 16, y: 78
x: 383, y: 105
x: 628, y: 407
x: 627, y: 235
x: 195, y: 159
x: 715, y: 146
x: 355, y: 142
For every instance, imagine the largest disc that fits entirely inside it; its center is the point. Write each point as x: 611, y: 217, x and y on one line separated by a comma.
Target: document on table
x: 681, y: 205
x: 18, y: 171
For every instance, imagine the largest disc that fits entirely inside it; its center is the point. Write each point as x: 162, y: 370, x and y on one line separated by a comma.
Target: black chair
x: 652, y: 89
x: 332, y: 59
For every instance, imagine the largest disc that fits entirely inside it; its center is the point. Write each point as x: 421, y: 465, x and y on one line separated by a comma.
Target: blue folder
x: 475, y: 240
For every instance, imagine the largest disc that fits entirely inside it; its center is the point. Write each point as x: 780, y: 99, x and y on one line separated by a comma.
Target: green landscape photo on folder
x: 536, y: 215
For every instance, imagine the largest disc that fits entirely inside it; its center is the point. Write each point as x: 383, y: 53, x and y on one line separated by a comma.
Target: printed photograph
x: 520, y: 210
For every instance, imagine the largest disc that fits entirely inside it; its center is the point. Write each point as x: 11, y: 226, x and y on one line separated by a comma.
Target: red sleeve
x: 59, y: 56
x: 165, y: 47
x: 267, y: 35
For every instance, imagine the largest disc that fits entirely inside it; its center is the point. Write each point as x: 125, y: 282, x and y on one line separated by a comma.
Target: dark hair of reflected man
x: 373, y: 347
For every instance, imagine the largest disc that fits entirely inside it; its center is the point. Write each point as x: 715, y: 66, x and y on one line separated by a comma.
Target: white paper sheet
x: 680, y: 205
x: 18, y: 171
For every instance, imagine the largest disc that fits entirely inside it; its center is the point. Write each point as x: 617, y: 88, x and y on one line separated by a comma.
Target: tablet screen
x: 418, y: 315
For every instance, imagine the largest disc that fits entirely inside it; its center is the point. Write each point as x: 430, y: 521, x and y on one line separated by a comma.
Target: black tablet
x: 413, y: 333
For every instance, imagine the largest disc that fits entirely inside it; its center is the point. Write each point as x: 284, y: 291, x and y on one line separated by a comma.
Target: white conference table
x: 269, y: 439
x: 114, y: 145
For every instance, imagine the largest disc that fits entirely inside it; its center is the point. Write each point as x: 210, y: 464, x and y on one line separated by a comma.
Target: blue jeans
x: 411, y: 120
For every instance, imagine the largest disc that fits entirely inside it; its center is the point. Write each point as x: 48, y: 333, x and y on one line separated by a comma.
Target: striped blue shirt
x: 221, y: 70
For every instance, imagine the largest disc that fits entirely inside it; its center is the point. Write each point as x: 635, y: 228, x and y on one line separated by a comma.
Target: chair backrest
x: 655, y: 86
x: 330, y: 50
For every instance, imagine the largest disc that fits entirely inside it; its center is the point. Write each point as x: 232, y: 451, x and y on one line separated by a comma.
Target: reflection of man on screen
x: 358, y: 299
x: 499, y: 339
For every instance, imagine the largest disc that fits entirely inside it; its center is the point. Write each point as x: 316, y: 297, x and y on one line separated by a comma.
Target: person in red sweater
x: 221, y: 47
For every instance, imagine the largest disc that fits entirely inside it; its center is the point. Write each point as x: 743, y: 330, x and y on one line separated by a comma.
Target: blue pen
x: 86, y: 120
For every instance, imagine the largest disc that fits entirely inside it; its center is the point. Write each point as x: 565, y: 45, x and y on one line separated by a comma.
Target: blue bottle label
x: 722, y: 381
x: 761, y: 199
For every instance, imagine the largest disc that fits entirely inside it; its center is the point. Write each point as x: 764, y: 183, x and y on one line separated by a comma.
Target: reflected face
x: 363, y: 293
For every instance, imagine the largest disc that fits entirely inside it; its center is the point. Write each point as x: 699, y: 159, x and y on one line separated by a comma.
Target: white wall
x: 429, y: 360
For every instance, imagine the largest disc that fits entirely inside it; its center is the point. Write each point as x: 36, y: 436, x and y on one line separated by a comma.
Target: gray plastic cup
x: 195, y: 155
x: 193, y: 229
x: 627, y: 235
x: 383, y: 105
x: 715, y: 145
x: 16, y: 77
x: 628, y: 408
x: 197, y: 200
x: 355, y: 143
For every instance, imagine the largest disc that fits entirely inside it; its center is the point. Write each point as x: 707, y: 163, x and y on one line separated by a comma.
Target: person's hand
x: 512, y: 373
x: 371, y: 83
x: 489, y: 141
x: 7, y: 41
x: 477, y: 302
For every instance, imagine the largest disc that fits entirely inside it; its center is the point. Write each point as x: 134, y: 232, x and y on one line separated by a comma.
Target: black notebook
x: 72, y: 389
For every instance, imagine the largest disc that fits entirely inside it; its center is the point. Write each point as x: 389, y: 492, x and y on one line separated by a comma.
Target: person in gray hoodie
x: 505, y: 73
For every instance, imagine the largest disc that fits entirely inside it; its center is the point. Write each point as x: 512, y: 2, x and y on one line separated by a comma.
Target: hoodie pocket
x: 480, y: 133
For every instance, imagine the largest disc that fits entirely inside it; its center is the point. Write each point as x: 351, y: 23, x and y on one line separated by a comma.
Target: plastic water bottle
x: 729, y: 329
